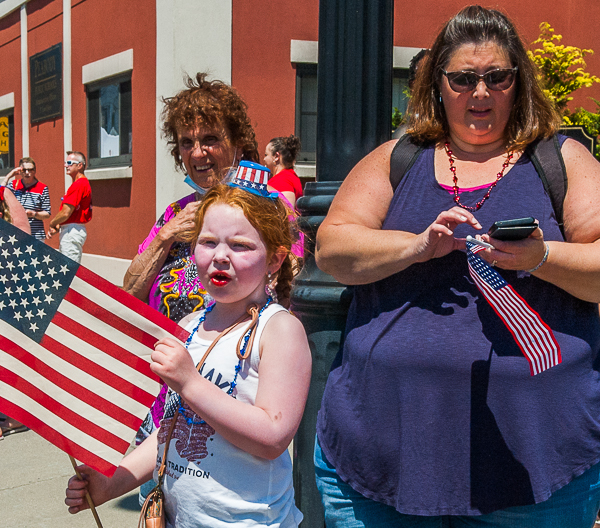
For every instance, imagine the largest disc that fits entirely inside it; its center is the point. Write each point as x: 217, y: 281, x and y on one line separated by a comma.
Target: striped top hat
x: 253, y: 178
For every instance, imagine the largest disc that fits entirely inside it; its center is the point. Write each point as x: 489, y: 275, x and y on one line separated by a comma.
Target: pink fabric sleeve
x: 167, y: 215
x: 298, y: 246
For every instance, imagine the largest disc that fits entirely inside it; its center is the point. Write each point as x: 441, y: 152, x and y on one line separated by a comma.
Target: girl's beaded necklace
x: 182, y: 410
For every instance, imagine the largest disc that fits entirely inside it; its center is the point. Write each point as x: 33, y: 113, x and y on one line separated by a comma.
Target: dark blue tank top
x: 430, y: 407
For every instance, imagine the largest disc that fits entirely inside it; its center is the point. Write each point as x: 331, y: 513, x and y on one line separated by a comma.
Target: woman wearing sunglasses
x: 437, y: 412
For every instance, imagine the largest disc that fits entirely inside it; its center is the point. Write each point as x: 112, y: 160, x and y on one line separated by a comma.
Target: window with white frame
x: 109, y: 122
x: 306, y: 111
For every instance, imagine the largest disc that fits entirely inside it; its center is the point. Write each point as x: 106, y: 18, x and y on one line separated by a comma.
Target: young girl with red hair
x: 231, y: 410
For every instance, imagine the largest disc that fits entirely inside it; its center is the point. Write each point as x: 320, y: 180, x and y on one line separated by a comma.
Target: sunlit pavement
x: 33, y: 479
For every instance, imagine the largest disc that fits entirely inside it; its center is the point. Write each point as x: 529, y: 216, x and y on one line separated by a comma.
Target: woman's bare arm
x: 573, y: 265
x: 145, y: 267
x: 352, y: 247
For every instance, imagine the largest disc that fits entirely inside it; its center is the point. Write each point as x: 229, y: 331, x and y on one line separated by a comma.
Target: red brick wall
x: 262, y: 71
x: 261, y: 67
x: 124, y: 210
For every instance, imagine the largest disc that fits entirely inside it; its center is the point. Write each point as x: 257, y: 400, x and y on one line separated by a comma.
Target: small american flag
x: 534, y: 337
x: 74, y: 352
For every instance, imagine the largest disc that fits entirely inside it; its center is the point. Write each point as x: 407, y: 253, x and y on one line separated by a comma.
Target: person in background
x: 280, y: 157
x: 12, y: 211
x: 208, y: 131
x: 32, y: 194
x: 413, y: 68
x: 75, y: 210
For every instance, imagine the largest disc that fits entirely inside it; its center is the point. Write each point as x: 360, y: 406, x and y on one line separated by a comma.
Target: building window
x: 306, y: 111
x: 400, y: 95
x: 7, y: 142
x: 109, y: 122
x: 306, y: 105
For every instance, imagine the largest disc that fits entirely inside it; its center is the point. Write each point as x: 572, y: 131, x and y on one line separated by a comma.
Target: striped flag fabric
x: 74, y: 352
x: 534, y: 337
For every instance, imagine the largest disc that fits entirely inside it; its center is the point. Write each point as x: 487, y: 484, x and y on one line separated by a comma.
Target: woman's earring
x: 270, y: 287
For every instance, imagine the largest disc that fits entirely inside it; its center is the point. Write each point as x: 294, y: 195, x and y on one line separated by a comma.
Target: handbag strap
x: 253, y: 311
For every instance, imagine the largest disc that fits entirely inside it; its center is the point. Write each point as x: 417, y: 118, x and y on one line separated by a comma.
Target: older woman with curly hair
x: 208, y: 131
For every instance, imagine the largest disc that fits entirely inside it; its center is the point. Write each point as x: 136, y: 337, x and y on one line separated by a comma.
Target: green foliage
x: 397, y: 118
x: 562, y: 71
x: 588, y: 120
x: 562, y: 68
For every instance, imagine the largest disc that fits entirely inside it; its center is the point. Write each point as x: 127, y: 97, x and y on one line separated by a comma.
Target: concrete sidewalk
x: 33, y: 479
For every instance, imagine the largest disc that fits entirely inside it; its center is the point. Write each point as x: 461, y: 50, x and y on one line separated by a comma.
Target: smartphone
x: 516, y: 229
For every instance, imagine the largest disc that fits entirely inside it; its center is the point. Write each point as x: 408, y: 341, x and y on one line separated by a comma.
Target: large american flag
x: 74, y: 352
x: 534, y: 337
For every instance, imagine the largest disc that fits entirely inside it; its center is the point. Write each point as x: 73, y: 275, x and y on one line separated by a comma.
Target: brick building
x: 88, y: 75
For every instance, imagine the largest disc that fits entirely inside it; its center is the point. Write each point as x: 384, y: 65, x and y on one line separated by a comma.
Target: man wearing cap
x: 32, y: 195
x: 75, y: 210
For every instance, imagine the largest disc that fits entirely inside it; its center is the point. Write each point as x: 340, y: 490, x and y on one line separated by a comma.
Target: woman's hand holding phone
x: 516, y: 229
x: 518, y: 244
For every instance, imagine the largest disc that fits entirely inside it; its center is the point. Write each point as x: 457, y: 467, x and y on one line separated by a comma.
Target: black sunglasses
x: 467, y: 81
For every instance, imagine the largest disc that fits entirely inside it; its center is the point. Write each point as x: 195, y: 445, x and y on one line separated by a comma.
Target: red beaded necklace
x: 455, y: 180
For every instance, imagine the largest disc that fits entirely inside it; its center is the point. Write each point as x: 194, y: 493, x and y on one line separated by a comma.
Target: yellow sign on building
x: 4, y: 141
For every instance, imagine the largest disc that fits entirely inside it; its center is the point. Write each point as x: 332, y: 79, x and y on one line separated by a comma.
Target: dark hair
x: 80, y: 155
x: 211, y: 103
x: 288, y: 148
x: 4, y: 211
x: 533, y: 116
x: 414, y: 66
x: 27, y: 160
x: 268, y: 217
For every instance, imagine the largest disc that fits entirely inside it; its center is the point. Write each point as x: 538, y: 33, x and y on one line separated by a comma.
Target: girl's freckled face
x: 231, y: 256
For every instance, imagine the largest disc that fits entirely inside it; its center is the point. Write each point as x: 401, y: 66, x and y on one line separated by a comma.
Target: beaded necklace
x: 182, y: 410
x: 455, y: 180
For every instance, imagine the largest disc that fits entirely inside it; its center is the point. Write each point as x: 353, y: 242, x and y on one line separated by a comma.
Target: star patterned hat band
x: 253, y: 178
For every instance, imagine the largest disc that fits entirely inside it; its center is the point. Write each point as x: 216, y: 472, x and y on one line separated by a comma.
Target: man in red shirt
x: 75, y: 210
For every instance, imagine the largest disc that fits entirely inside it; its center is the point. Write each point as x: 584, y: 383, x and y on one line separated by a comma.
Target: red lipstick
x: 220, y: 278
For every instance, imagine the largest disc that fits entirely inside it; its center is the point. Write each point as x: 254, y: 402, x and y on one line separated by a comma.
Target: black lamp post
x: 353, y: 117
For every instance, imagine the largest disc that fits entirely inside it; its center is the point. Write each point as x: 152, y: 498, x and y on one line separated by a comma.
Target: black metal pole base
x: 321, y: 303
x: 353, y: 117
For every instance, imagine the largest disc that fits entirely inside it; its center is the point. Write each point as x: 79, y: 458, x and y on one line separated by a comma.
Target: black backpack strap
x: 547, y: 159
x: 403, y: 157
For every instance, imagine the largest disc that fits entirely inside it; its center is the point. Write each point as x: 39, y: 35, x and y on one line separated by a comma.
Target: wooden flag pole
x: 87, y: 495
